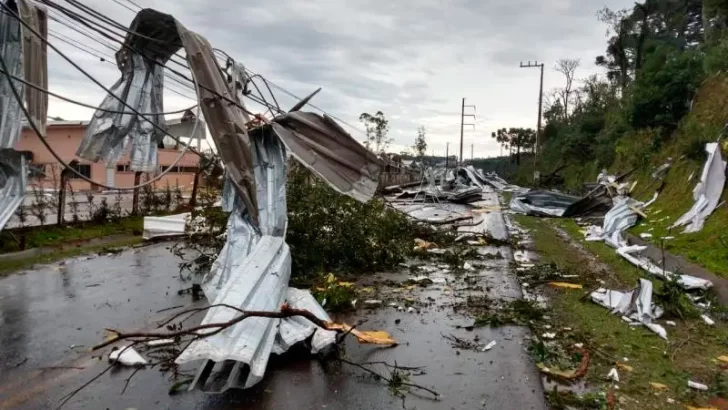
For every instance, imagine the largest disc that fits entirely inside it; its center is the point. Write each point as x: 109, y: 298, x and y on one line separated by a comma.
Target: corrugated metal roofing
x: 13, y: 179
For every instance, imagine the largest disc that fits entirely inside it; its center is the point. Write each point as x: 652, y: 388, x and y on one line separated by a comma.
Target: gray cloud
x: 412, y: 60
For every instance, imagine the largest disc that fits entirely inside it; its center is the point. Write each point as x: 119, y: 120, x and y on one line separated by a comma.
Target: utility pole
x: 447, y: 156
x: 471, y: 152
x: 538, y: 126
x: 462, y: 126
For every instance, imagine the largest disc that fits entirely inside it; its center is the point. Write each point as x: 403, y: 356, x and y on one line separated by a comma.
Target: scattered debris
x: 708, y: 321
x: 549, y: 335
x: 489, y: 346
x: 658, y: 386
x: 634, y: 306
x: 613, y: 375
x: 566, y: 285
x: 127, y: 356
x: 373, y: 302
x: 645, y: 235
x: 697, y: 386
x: 707, y: 192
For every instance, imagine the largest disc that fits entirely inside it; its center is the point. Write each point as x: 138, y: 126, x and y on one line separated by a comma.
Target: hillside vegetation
x: 663, y: 94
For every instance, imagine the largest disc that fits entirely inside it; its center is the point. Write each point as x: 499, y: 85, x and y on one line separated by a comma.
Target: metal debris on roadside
x: 708, y: 321
x: 635, y: 306
x: 613, y: 375
x: 489, y: 346
x: 707, y: 192
x: 697, y: 385
x: 127, y: 356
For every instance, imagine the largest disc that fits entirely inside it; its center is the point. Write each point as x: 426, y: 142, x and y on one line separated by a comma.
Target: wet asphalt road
x: 50, y: 316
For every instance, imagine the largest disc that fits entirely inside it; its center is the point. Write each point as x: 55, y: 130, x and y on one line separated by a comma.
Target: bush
x: 327, y: 232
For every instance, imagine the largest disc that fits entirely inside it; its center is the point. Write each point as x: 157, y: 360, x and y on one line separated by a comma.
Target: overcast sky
x: 413, y: 60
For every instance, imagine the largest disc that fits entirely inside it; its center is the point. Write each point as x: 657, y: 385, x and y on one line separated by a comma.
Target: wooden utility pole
x: 538, y: 126
x: 462, y: 126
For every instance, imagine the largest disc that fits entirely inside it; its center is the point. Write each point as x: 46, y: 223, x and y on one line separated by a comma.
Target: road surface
x: 50, y: 315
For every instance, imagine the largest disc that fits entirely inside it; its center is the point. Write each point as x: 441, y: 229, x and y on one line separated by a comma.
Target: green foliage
x: 328, y: 231
x: 715, y: 57
x: 420, y: 145
x: 516, y: 140
x: 675, y: 302
x: 334, y: 295
x: 660, y: 95
x: 377, y: 127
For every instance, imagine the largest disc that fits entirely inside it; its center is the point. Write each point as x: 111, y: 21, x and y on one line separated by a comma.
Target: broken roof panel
x: 707, y: 192
x: 13, y: 179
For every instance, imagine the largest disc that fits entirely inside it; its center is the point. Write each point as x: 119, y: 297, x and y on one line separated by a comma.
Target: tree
x: 518, y: 139
x: 420, y: 145
x: 568, y: 69
x: 377, y: 127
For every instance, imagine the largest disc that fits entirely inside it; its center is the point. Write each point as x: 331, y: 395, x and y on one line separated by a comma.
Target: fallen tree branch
x: 285, y: 312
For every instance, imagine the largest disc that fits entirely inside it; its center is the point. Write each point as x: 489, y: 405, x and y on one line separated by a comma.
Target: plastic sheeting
x: 707, y: 192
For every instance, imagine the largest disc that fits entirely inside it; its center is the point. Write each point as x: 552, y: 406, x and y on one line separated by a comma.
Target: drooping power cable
x: 136, y: 112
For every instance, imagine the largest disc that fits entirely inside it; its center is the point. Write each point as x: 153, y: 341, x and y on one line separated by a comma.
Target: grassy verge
x: 690, y: 353
x: 49, y: 236
x: 64, y: 242
x: 13, y: 265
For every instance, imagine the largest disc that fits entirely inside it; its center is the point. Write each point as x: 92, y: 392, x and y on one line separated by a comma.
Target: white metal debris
x: 697, y: 386
x: 165, y: 226
x: 613, y: 375
x: 127, y: 356
x: 708, y: 321
x: 635, y: 306
x: 707, y: 192
x: 632, y: 255
x: 489, y: 346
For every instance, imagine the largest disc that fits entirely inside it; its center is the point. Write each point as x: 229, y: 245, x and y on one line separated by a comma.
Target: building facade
x: 65, y: 137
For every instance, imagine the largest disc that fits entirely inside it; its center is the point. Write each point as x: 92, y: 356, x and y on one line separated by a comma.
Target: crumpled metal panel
x: 620, y: 218
x: 296, y: 329
x: 707, y: 192
x: 322, y: 146
x: 254, y: 265
x: 109, y: 135
x: 541, y: 203
x: 632, y: 255
x: 13, y: 180
x: 635, y: 305
x: 12, y: 51
x: 35, y: 60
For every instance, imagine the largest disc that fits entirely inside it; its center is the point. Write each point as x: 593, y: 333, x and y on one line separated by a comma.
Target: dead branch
x: 389, y: 380
x: 70, y: 395
x: 285, y: 312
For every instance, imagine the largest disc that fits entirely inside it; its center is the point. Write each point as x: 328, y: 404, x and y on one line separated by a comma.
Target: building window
x: 83, y: 169
x: 123, y: 168
x: 188, y: 169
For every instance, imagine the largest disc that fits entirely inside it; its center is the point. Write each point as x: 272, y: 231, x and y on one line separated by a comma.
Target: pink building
x: 65, y: 136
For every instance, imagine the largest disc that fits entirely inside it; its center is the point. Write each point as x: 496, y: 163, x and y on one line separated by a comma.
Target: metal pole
x: 471, y: 152
x: 462, y: 126
x: 447, y: 157
x: 538, y: 128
